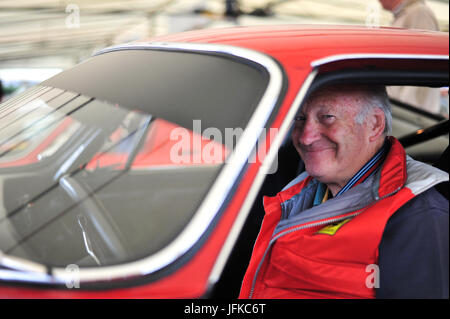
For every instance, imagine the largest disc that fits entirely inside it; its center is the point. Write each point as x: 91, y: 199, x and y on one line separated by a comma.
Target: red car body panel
x: 298, y: 46
x: 295, y: 48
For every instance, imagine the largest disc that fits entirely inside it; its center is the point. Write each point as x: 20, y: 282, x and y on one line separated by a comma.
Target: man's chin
x: 316, y: 173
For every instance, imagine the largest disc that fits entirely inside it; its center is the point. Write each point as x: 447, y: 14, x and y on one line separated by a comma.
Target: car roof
x: 300, y: 45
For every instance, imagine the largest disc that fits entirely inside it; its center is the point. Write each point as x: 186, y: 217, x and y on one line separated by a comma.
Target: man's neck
x: 376, y: 157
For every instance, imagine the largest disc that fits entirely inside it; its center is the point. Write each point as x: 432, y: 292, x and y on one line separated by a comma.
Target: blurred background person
x: 414, y: 14
x: 411, y: 14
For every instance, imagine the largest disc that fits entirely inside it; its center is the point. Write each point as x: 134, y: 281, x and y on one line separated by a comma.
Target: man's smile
x: 315, y: 148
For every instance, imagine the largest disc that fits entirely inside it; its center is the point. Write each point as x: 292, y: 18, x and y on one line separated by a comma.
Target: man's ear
x: 376, y: 122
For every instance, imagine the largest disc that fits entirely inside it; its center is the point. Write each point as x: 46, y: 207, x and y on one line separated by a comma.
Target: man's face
x: 332, y: 145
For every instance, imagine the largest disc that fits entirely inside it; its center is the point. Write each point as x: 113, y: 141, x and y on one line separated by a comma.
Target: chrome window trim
x: 216, y: 196
x: 342, y: 57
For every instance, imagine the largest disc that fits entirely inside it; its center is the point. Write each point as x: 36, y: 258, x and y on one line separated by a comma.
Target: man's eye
x: 299, y: 118
x: 327, y: 117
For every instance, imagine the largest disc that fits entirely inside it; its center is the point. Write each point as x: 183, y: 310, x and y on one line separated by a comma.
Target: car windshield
x: 92, y: 183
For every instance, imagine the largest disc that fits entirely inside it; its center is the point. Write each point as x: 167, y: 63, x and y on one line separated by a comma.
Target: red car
x: 139, y: 173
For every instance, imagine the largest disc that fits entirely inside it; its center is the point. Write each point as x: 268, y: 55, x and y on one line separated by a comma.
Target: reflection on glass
x: 80, y: 187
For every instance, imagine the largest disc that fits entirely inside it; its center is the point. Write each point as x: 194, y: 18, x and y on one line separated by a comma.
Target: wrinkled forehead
x: 335, y: 96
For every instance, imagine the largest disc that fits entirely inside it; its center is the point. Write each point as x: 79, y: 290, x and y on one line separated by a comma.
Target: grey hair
x: 372, y: 95
x: 376, y: 96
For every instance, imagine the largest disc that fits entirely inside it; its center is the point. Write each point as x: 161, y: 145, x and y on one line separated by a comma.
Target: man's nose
x: 309, y: 132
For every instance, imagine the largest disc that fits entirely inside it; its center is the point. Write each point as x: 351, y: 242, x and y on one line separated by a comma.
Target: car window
x: 132, y: 197
x: 408, y: 118
x: 432, y: 100
x: 90, y: 182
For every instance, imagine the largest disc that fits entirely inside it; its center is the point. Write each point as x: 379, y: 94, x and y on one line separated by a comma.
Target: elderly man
x: 414, y: 14
x: 363, y: 221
